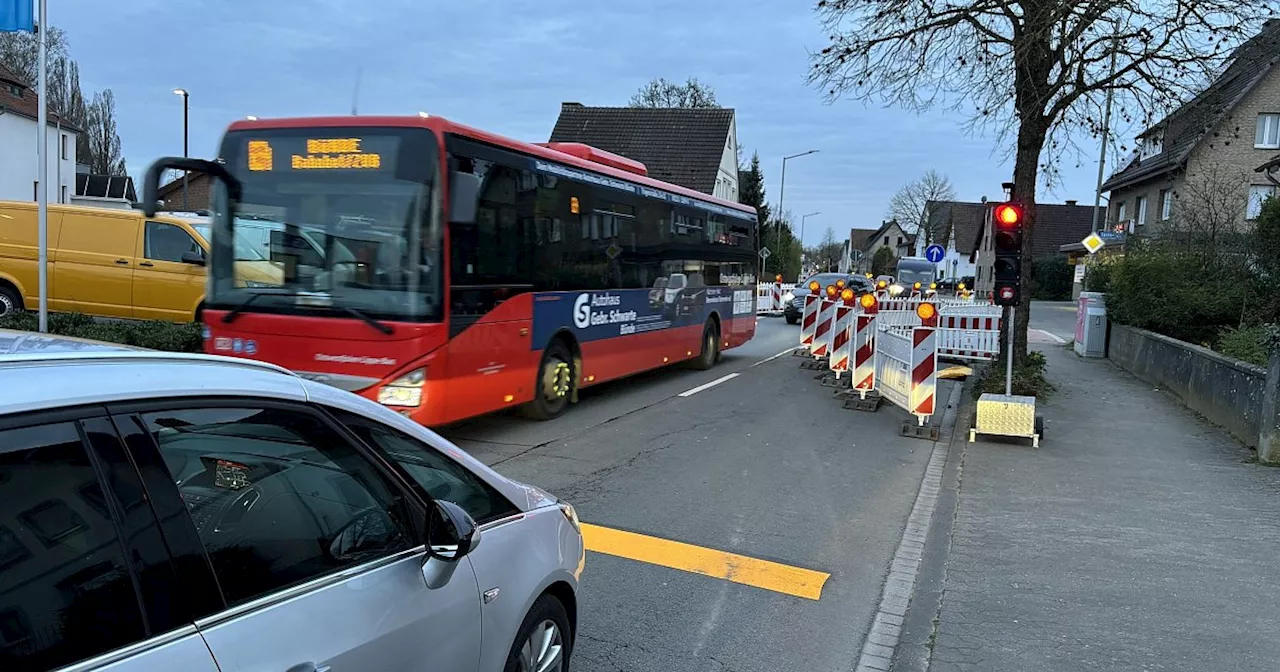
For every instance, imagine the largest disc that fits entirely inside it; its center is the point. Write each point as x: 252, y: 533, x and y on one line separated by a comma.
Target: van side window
x: 66, y: 592
x: 166, y: 242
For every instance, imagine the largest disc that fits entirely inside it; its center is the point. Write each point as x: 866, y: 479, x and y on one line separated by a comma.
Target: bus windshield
x: 345, y: 219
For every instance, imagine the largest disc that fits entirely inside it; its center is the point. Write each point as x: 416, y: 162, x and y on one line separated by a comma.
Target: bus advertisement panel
x: 448, y: 272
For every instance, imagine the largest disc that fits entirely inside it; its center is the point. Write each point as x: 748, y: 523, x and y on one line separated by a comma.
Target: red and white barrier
x: 776, y: 304
x: 821, y: 345
x: 809, y: 319
x: 842, y: 338
x: 969, y: 337
x: 906, y: 369
x: 864, y: 343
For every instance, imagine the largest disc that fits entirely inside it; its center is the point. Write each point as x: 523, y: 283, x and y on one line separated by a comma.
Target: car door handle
x: 122, y: 261
x: 146, y: 263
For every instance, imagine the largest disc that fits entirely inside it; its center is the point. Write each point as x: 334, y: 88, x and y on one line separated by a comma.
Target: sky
x: 506, y: 65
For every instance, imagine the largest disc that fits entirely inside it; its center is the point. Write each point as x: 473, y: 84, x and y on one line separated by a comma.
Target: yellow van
x: 115, y: 263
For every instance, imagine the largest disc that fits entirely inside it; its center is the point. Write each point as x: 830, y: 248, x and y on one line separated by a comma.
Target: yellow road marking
x: 806, y: 583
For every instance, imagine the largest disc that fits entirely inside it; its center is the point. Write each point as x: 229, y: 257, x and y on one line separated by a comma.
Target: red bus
x: 449, y: 272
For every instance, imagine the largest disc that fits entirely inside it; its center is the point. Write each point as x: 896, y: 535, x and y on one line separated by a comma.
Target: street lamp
x: 782, y: 190
x: 186, y: 98
x: 802, y: 220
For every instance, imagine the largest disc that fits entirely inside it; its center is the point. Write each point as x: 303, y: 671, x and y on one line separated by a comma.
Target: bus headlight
x: 895, y: 289
x: 405, y: 390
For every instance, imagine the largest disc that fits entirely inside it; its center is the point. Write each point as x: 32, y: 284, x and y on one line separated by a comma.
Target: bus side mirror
x: 151, y: 183
x: 464, y: 189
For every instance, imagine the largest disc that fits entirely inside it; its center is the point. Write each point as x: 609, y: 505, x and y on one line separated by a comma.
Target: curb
x: 886, y: 627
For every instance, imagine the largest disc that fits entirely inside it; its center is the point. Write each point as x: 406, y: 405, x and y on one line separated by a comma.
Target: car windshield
x: 342, y: 218
x: 908, y: 275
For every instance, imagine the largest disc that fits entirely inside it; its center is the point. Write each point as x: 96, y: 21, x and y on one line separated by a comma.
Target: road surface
x: 763, y: 464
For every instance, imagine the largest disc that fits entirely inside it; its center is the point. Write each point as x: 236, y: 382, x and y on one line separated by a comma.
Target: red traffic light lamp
x: 1008, y: 219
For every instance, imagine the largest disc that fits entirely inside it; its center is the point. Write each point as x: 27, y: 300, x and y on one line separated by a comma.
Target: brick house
x: 696, y: 148
x: 170, y: 194
x: 1211, y: 145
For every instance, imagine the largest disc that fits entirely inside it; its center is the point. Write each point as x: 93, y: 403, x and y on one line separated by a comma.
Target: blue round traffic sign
x: 934, y: 253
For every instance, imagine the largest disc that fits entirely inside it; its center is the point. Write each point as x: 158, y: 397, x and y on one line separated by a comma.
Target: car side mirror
x: 451, y: 534
x: 193, y: 258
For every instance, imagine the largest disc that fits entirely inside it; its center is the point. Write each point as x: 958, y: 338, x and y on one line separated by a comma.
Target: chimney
x: 571, y: 104
x: 1072, y: 202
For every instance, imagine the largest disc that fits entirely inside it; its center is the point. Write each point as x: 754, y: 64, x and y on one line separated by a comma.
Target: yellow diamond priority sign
x: 1093, y: 242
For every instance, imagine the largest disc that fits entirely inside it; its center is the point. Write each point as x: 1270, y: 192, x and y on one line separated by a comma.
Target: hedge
x: 151, y: 334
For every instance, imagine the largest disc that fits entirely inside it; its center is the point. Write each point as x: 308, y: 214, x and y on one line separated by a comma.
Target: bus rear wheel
x: 710, y: 347
x: 554, y: 384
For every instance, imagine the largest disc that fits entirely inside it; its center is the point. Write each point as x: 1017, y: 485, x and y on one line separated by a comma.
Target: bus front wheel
x: 554, y: 385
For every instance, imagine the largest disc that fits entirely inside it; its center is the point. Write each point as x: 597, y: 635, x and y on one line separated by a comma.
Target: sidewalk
x: 1135, y: 538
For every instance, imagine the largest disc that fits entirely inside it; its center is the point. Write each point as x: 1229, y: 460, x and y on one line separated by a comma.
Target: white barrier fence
x: 770, y: 301
x: 966, y: 330
x: 907, y: 369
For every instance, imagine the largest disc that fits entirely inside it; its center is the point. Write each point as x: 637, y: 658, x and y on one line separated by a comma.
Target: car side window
x: 66, y: 593
x: 438, y: 476
x: 166, y: 242
x: 277, y: 496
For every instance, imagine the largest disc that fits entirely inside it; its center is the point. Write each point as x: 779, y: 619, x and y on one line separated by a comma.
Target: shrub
x: 1171, y: 293
x: 1248, y: 344
x: 1051, y: 279
x: 1028, y: 378
x: 1097, y: 277
x: 151, y: 334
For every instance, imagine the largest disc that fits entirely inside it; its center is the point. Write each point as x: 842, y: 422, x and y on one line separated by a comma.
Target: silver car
x: 185, y: 512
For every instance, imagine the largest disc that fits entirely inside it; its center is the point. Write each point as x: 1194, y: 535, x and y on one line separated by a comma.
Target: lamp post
x: 782, y: 190
x: 802, y: 221
x: 186, y: 98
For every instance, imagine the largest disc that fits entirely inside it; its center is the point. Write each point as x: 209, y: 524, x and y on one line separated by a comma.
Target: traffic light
x: 1008, y: 220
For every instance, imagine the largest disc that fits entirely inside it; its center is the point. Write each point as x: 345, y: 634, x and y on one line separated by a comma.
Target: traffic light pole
x: 1008, y: 355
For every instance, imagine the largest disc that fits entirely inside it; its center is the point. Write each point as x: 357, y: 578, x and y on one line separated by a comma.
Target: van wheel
x: 10, y: 302
x: 710, y: 347
x: 554, y: 384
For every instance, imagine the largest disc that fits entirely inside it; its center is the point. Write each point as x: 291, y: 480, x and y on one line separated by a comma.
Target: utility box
x: 1091, y: 325
x: 1007, y: 415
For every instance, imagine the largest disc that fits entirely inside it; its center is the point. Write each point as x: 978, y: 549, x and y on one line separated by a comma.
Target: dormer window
x: 15, y: 90
x: 1152, y: 145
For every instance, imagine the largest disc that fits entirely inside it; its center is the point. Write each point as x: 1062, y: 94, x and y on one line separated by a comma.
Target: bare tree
x: 104, y: 142
x: 1030, y: 69
x: 909, y: 204
x: 1207, y: 211
x: 19, y: 52
x: 662, y: 93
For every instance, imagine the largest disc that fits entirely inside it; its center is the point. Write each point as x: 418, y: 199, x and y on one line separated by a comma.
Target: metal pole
x: 42, y: 181
x: 1106, y: 130
x: 782, y: 191
x: 185, y: 98
x: 1008, y: 356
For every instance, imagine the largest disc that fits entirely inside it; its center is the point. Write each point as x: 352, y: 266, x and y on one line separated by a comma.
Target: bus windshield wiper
x: 380, y: 326
x: 235, y: 312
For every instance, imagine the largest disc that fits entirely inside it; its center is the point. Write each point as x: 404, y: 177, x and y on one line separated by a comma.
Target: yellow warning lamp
x: 916, y: 286
x: 814, y: 286
x: 777, y: 278
x: 846, y: 295
x: 840, y: 284
x: 933, y: 285
x: 573, y: 205
x: 962, y: 286
x: 882, y: 284
x: 928, y: 314
x: 869, y: 276
x: 868, y: 302
x: 832, y: 291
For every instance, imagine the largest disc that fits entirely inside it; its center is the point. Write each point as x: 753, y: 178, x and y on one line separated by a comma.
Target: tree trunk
x: 1026, y: 165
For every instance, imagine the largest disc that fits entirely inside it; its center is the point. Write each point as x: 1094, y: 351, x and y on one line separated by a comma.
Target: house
x: 696, y: 148
x: 1056, y: 225
x: 1212, y: 144
x: 19, y: 138
x: 955, y: 226
x: 171, y: 195
x: 864, y: 244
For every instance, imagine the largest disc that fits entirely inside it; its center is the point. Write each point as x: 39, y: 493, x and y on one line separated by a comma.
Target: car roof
x: 61, y: 371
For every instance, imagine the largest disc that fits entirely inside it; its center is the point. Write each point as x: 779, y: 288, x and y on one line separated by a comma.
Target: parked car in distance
x: 161, y: 511
x: 794, y: 306
x: 109, y: 262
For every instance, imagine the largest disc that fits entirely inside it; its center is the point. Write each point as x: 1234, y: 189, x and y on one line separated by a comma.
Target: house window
x: 1142, y: 210
x: 1268, y: 133
x: 1152, y: 145
x: 899, y: 241
x: 886, y: 240
x: 1121, y: 212
x: 35, y: 190
x: 64, y: 194
x: 1166, y: 204
x: 15, y: 90
x: 1257, y: 196
x: 64, y: 146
